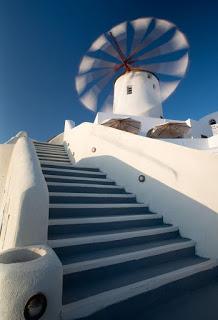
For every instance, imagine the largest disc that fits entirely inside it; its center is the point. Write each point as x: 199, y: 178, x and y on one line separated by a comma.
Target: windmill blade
x: 90, y: 64
x: 167, y: 88
x: 160, y: 28
x: 140, y: 27
x: 100, y: 44
x: 86, y: 64
x: 103, y: 43
x: 83, y: 80
x: 108, y: 104
x: 172, y: 68
x: 90, y: 99
x: 176, y: 43
x: 90, y: 96
x: 119, y: 33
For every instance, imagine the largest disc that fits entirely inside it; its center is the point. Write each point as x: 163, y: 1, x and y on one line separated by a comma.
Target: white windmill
x: 133, y: 68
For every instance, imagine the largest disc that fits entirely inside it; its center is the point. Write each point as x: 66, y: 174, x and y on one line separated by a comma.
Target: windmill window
x: 149, y: 76
x: 154, y: 86
x: 212, y: 121
x: 129, y: 89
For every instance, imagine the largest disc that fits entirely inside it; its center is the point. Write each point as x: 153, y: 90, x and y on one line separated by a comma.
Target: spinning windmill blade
x: 156, y: 46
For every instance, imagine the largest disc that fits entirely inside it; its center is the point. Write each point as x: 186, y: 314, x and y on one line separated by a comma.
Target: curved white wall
x: 5, y: 155
x: 181, y: 183
x: 25, y: 203
x: 145, y: 98
x: 206, y: 129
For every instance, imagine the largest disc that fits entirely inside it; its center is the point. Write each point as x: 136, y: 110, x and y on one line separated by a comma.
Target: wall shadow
x: 195, y: 220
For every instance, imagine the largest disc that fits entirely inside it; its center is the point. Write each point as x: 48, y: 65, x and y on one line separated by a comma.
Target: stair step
x: 101, y: 224
x: 73, y: 173
x: 106, y: 219
x: 142, y: 257
x: 56, y: 178
x: 51, y: 156
x: 36, y: 143
x: 54, y: 160
x: 86, y: 258
x: 121, y: 293
x: 84, y: 188
x: 50, y: 150
x: 62, y: 197
x: 75, y: 240
x: 69, y: 167
x: 64, y: 210
x: 100, y: 249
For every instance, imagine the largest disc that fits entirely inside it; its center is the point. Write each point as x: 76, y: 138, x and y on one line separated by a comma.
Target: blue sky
x: 43, y: 41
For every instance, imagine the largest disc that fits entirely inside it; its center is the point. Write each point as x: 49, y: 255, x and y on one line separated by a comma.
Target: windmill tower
x: 133, y: 68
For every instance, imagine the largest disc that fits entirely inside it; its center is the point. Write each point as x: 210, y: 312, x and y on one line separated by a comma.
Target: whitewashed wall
x: 145, y: 98
x: 25, y: 203
x: 5, y: 155
x: 180, y: 183
x: 146, y: 122
x: 58, y: 139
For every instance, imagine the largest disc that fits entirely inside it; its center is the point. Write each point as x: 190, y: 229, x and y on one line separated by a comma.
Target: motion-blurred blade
x: 90, y: 98
x: 175, y: 68
x: 108, y: 104
x: 82, y: 81
x: 119, y: 32
x: 140, y: 27
x: 100, y: 44
x: 160, y: 28
x: 167, y: 88
x: 90, y: 64
x: 178, y: 42
x: 86, y: 64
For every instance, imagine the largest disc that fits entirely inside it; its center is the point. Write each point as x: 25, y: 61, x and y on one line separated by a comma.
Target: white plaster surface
x: 5, y: 154
x: 25, y: 203
x: 146, y: 122
x: 145, y: 98
x: 58, y: 139
x: 181, y: 183
x: 25, y: 272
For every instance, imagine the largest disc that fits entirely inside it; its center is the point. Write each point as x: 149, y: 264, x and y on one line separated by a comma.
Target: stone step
x: 73, y: 240
x: 84, y: 188
x: 68, y: 197
x: 69, y: 167
x: 56, y: 178
x: 101, y: 224
x: 73, y: 173
x: 46, y: 156
x: 127, y: 260
x: 134, y: 289
x: 66, y: 210
x: 51, y: 151
x: 54, y: 160
x: 36, y: 143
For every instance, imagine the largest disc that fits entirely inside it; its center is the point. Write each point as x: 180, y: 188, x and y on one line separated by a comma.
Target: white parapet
x: 25, y: 203
x: 180, y: 183
x: 137, y: 93
x: 30, y: 284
